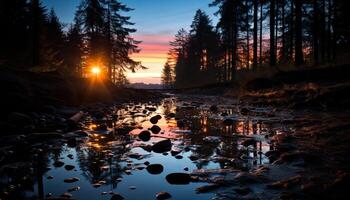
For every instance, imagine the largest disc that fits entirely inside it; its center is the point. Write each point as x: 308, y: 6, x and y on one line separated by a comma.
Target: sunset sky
x: 157, y: 21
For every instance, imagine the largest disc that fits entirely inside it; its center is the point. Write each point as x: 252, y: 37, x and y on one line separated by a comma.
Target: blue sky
x: 156, y: 22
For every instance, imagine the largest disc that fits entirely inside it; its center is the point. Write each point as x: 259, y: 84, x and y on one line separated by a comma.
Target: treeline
x: 258, y: 34
x: 34, y: 39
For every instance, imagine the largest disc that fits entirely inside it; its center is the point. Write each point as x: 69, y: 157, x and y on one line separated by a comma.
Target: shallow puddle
x: 107, y: 162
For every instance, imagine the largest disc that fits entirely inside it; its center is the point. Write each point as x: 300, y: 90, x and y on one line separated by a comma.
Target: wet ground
x: 189, y: 147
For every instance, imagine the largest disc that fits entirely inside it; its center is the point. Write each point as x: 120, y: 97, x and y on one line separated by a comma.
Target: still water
x: 113, y: 159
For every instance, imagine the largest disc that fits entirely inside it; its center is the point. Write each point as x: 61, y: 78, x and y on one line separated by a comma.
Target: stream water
x: 203, y: 137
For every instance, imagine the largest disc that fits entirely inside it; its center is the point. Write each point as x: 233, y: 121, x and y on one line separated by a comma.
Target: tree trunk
x: 247, y: 27
x: 283, y: 57
x: 261, y: 28
x: 36, y: 33
x: 272, y: 34
x: 315, y: 32
x: 255, y: 37
x: 298, y: 34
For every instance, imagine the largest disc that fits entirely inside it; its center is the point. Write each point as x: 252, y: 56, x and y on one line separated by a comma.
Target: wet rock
x: 228, y: 122
x: 178, y: 178
x: 213, y: 108
x: 152, y: 109
x: 207, y: 188
x: 69, y: 167
x: 71, y: 180
x: 155, y: 169
x: 50, y: 177
x: 135, y: 156
x: 175, y: 151
x: 146, y: 163
x: 193, y: 157
x: 179, y: 157
x: 66, y: 195
x: 171, y: 115
x: 70, y: 156
x: 249, y: 142
x: 163, y: 195
x: 97, y: 185
x: 117, y: 197
x: 19, y: 119
x: 186, y: 169
x: 244, y: 111
x: 155, y: 129
x: 73, y: 189
x: 162, y: 146
x: 155, y: 119
x: 58, y: 164
x: 224, y: 114
x: 145, y: 136
x: 132, y: 188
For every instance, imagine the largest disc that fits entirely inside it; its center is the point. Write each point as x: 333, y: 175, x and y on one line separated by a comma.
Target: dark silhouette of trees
x: 254, y: 34
x: 167, y: 76
x: 196, y: 54
x: 36, y: 40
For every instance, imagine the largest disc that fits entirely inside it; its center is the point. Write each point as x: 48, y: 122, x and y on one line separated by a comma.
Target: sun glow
x: 96, y: 70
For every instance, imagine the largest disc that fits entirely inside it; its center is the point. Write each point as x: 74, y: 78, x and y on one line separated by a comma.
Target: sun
x: 96, y: 70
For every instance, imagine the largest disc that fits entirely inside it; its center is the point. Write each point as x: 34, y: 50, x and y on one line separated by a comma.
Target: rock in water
x: 163, y: 195
x: 213, y: 108
x: 69, y: 167
x: 117, y: 197
x: 71, y: 180
x: 178, y: 178
x: 162, y: 146
x: 155, y: 119
x: 155, y: 169
x: 145, y: 136
x: 155, y: 129
x: 228, y: 122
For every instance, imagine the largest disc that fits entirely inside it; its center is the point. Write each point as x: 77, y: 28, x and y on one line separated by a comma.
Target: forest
x: 253, y: 101
x: 35, y: 40
x: 258, y: 38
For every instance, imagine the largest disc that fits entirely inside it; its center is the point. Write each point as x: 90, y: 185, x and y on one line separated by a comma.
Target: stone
x: 145, y: 136
x: 58, y: 164
x: 66, y: 195
x: 71, y: 180
x: 155, y: 169
x: 228, y: 122
x: 155, y: 129
x: 213, y: 108
x: 117, y: 197
x: 162, y: 146
x: 155, y: 119
x: 69, y: 167
x: 178, y: 178
x: 163, y: 195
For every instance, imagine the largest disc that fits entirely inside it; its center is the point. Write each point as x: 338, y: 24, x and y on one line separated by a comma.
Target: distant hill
x: 145, y: 86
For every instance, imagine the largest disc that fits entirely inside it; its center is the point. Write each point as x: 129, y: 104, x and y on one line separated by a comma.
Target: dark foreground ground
x: 310, y: 160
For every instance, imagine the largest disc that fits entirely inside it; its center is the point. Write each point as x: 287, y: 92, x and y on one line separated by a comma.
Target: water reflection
x: 111, y: 160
